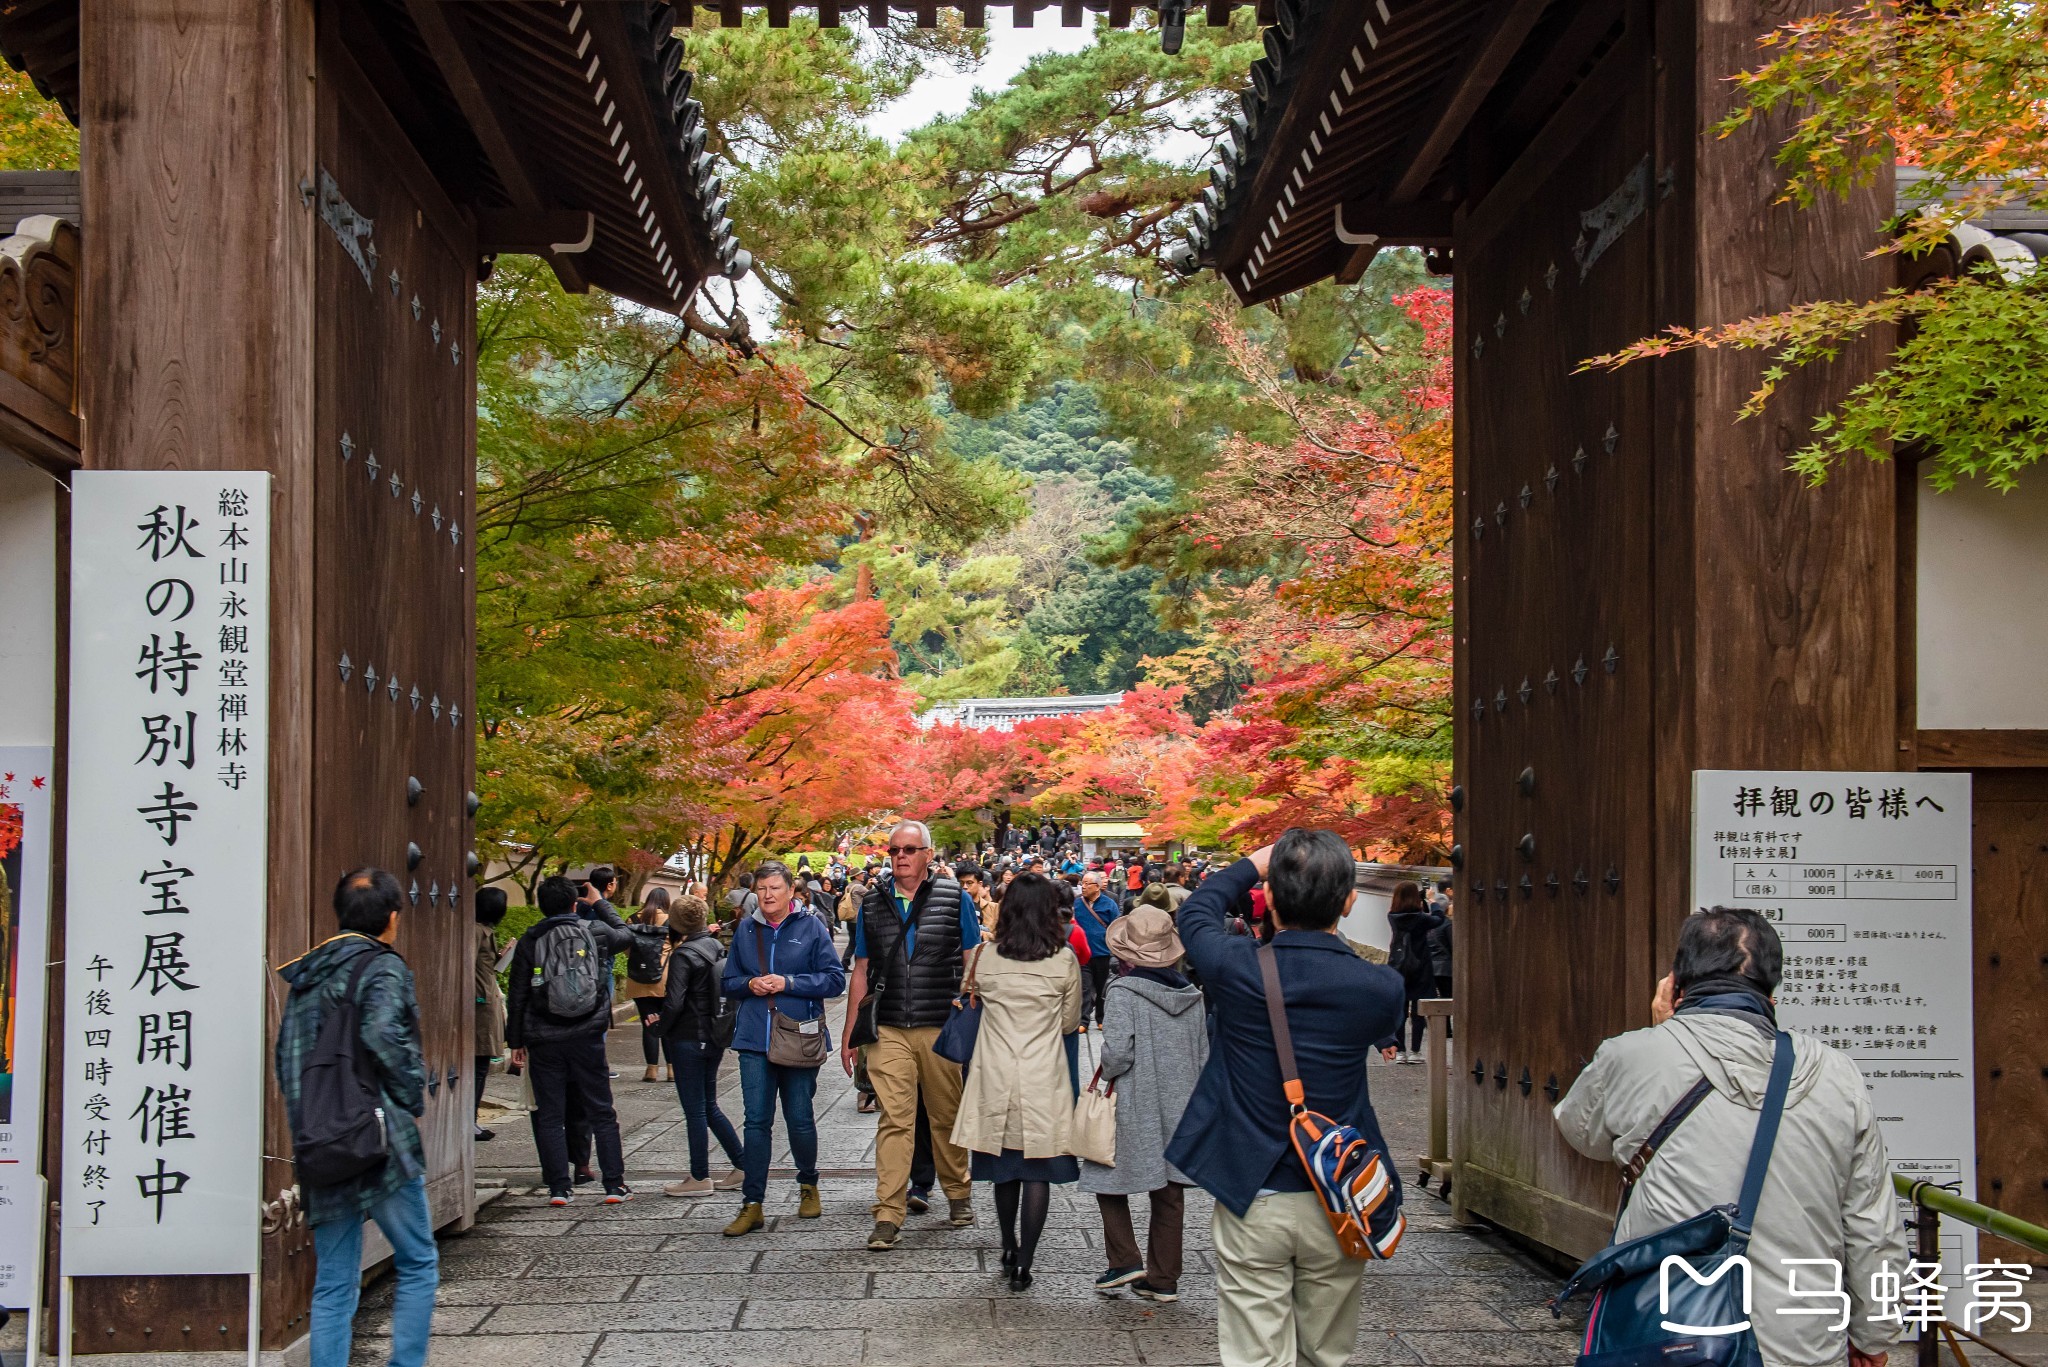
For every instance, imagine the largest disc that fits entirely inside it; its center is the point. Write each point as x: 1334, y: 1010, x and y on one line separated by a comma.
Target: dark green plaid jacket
x: 390, y: 1034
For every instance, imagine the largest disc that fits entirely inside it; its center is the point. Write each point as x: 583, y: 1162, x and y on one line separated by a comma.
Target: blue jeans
x: 693, y: 1065
x: 760, y: 1082
x: 337, y: 1279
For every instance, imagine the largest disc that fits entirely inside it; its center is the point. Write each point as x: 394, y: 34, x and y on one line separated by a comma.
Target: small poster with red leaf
x: 24, y: 922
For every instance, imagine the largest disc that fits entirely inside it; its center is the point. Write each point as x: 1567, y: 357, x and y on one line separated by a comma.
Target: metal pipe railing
x: 1930, y: 1203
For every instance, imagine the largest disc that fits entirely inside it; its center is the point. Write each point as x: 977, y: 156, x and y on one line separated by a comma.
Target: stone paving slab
x: 653, y: 1283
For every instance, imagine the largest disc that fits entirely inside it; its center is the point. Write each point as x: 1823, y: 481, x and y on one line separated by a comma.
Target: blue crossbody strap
x: 1766, y: 1136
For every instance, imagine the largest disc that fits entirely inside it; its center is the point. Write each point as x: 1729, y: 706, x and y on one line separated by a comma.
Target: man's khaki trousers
x: 900, y: 1064
x: 1285, y: 1292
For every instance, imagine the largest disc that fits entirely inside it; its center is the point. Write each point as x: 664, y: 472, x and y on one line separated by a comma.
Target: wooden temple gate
x: 287, y: 205
x: 288, y: 208
x: 1642, y: 590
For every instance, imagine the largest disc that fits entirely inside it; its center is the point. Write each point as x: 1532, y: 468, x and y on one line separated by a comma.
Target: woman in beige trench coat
x: 1017, y: 1107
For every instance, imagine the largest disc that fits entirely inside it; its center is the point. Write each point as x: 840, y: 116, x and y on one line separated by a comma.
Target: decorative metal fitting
x: 1500, y: 513
x: 454, y: 893
x: 436, y: 517
x: 413, y: 893
x: 1579, y: 459
x: 1580, y: 882
x: 1478, y: 529
x: 393, y: 281
x: 415, y: 696
x: 455, y: 715
x: 1610, y: 438
x: 1479, y: 1070
x: 1479, y: 891
x: 1500, y: 1075
x: 454, y: 533
x: 1458, y: 795
x: 1579, y: 671
x: 413, y: 856
x: 455, y: 353
x: 391, y: 688
x: 1550, y: 277
x: 1551, y: 884
x: 372, y: 467
x: 1550, y: 1089
x: 1612, y: 879
x: 348, y: 448
x: 414, y: 789
x: 1610, y: 659
x: 1478, y: 346
x: 1478, y: 707
x: 1457, y: 856
x: 1500, y: 325
x: 1528, y: 887
x: 417, y: 502
x: 1525, y: 692
x: 433, y: 1079
x: 1500, y: 888
x: 436, y: 330
x: 470, y: 802
x: 434, y: 706
x: 1550, y: 682
x: 1527, y: 845
x: 370, y: 677
x: 1500, y: 699
x: 345, y: 667
x: 1526, y: 300
x: 1551, y: 477
x: 1525, y: 1082
x: 397, y: 484
x: 1526, y: 780
x: 415, y: 308
x: 472, y: 863
x: 434, y: 893
x: 1527, y: 496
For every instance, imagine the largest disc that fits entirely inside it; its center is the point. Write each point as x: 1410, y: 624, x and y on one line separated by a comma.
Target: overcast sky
x: 1010, y: 49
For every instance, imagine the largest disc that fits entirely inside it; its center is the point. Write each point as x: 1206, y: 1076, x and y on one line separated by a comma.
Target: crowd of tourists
x: 1233, y: 1017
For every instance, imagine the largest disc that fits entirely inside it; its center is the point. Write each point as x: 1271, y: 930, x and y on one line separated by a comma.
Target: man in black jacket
x: 910, y: 939
x: 565, y: 1055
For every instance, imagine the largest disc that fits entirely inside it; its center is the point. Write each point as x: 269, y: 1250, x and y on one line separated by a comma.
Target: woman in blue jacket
x: 783, y: 969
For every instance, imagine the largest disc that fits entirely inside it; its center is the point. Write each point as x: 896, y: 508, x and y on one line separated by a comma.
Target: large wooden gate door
x: 1553, y: 651
x: 394, y: 460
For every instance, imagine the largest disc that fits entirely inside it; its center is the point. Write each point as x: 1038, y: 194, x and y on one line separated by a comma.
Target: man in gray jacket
x: 1828, y: 1193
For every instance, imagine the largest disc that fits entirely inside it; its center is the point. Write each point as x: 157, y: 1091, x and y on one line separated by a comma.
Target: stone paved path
x: 654, y: 1284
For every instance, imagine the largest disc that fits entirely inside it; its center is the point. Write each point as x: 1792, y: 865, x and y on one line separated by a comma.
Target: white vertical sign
x: 1867, y: 878
x: 164, y: 929
x: 25, y: 772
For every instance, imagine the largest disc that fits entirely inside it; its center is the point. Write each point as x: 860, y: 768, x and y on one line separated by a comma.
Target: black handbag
x: 963, y: 1024
x: 1643, y: 1314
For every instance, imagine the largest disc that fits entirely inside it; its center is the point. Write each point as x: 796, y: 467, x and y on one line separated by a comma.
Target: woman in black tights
x: 1017, y: 1107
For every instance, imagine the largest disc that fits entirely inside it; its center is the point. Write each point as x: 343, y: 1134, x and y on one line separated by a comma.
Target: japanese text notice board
x: 164, y: 927
x: 1867, y: 878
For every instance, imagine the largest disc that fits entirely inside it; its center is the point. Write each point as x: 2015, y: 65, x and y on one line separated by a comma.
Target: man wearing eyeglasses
x: 909, y: 946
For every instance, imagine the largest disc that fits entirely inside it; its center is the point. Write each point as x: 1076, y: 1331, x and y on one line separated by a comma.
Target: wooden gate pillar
x: 197, y: 126
x: 1643, y: 590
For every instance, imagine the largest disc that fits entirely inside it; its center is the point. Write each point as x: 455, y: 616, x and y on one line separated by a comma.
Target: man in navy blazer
x: 1286, y: 1292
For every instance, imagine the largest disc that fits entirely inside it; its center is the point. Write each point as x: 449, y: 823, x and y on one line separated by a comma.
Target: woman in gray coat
x: 1155, y: 1040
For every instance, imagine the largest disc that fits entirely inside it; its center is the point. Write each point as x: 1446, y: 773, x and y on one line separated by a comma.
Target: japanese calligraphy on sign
x: 24, y: 927
x: 1867, y: 878
x: 164, y: 980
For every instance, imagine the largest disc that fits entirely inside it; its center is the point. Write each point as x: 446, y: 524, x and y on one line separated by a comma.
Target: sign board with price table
x: 1867, y: 878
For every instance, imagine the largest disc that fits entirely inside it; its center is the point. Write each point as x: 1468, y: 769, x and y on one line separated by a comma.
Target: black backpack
x: 339, y: 1132
x: 686, y: 1021
x: 645, y: 958
x: 566, y: 968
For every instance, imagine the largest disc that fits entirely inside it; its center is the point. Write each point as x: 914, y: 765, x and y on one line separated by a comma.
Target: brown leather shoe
x: 962, y: 1211
x: 809, y: 1207
x: 884, y: 1236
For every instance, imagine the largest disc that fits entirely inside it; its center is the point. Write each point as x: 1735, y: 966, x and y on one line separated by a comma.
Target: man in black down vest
x: 909, y: 943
